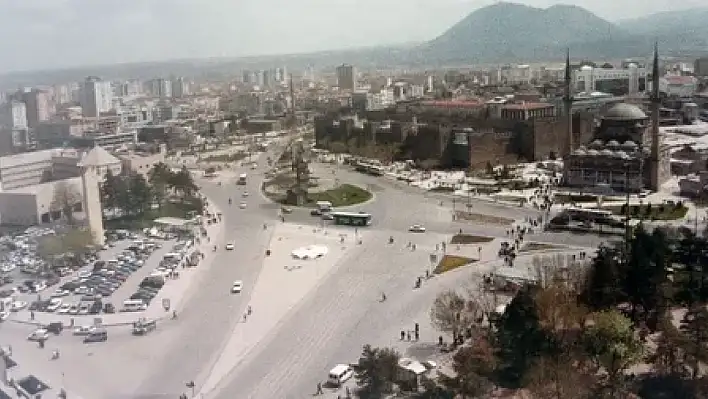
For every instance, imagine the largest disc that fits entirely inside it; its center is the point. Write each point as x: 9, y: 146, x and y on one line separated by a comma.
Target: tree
x: 611, y: 344
x: 667, y: 358
x: 183, y: 183
x: 520, y: 338
x: 450, y: 313
x: 474, y: 365
x: 377, y: 371
x: 141, y: 195
x: 65, y: 199
x: 646, y: 273
x: 74, y: 242
x: 604, y: 287
x: 111, y: 190
x: 695, y: 327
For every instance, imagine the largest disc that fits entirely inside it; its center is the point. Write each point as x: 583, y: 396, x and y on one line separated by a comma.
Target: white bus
x: 242, y: 179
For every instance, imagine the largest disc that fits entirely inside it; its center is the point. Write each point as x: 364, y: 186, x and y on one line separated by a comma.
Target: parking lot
x: 125, y: 276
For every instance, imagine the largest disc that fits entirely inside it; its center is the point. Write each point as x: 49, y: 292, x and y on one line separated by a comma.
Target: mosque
x: 625, y: 153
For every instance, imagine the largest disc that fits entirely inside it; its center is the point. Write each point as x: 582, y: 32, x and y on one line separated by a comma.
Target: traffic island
x: 539, y: 246
x: 470, y: 239
x: 452, y: 262
x: 481, y: 218
x: 342, y: 195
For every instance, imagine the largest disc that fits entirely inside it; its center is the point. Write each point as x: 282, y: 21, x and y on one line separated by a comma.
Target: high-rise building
x: 346, y: 77
x: 13, y: 115
x: 180, y: 87
x: 62, y: 94
x: 160, y: 88
x: 97, y: 97
x: 700, y: 66
x: 39, y: 106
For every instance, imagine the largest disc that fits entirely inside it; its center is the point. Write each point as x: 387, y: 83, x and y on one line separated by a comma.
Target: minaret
x: 655, y: 178
x: 568, y: 103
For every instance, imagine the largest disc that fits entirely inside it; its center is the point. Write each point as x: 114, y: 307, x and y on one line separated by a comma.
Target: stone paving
x: 292, y: 280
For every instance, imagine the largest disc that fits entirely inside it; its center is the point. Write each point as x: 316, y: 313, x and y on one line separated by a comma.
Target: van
x: 144, y: 326
x: 96, y: 335
x: 340, y: 374
x: 133, y: 305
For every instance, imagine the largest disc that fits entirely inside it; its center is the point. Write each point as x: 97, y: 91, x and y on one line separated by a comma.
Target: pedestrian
x: 408, y: 335
x: 319, y: 389
x: 417, y: 335
x: 245, y: 316
x: 349, y: 394
x: 249, y: 310
x: 403, y: 335
x: 32, y: 316
x: 417, y: 327
x: 440, y: 340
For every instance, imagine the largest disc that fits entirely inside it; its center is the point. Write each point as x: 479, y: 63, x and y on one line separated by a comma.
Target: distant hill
x: 508, y: 32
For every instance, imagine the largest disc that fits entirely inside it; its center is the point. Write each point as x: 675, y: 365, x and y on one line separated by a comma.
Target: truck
x: 242, y: 179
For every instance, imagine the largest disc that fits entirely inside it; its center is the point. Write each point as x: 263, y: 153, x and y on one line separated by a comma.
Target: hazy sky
x: 46, y: 34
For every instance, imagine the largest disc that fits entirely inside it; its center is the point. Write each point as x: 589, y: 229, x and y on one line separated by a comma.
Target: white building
x: 180, y: 88
x: 97, y: 97
x: 616, y: 81
x: 678, y: 86
x: 13, y: 115
x: 517, y: 74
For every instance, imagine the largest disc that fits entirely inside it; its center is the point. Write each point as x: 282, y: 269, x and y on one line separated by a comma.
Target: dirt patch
x: 469, y: 239
x: 451, y: 262
x: 481, y: 218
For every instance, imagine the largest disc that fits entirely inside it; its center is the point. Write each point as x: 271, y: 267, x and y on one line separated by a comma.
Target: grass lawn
x: 566, y: 198
x: 451, y: 262
x: 657, y: 212
x: 538, y: 246
x: 225, y: 157
x: 469, y: 239
x: 345, y: 194
x: 177, y: 210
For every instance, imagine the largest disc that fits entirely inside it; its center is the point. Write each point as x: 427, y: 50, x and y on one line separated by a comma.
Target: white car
x: 84, y: 274
x: 236, y: 288
x: 417, y: 228
x: 242, y: 205
x: 229, y: 247
x: 54, y: 305
x: 245, y: 194
x: 4, y: 316
x: 40, y: 334
x: 18, y: 305
x: 83, y: 330
x: 64, y: 308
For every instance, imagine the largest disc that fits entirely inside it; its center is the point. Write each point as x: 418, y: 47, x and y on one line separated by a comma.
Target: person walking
x: 249, y: 310
x: 319, y: 389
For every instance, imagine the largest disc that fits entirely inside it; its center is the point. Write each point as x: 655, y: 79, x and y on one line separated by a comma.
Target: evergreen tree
x: 520, y: 338
x: 140, y: 193
x: 604, y: 287
x: 377, y: 371
x: 695, y: 327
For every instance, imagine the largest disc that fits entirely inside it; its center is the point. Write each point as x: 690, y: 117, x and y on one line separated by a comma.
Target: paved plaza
x: 305, y: 315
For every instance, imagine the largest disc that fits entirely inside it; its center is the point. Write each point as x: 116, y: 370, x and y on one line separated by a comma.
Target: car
x: 83, y: 330
x: 18, y: 305
x: 229, y: 246
x: 417, y: 228
x: 84, y: 274
x: 242, y: 205
x: 315, y: 212
x: 245, y: 194
x: 60, y: 293
x: 286, y: 210
x: 74, y: 309
x: 236, y: 287
x: 40, y: 334
x: 54, y: 305
x: 64, y: 308
x: 85, y: 308
x: 327, y: 216
x: 4, y: 316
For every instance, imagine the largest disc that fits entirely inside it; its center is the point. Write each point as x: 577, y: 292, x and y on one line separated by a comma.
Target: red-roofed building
x: 678, y: 86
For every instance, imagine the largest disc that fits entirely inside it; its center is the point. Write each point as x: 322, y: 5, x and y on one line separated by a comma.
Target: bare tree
x: 451, y: 313
x: 65, y: 199
x: 75, y: 242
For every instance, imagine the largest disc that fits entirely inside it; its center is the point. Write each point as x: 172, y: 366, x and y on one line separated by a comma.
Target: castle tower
x: 656, y: 166
x: 568, y: 104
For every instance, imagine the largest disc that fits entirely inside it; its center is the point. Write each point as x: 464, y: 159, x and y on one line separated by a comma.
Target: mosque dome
x: 625, y: 112
x: 613, y: 144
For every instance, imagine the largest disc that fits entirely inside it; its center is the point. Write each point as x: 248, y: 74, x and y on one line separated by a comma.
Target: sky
x: 49, y: 34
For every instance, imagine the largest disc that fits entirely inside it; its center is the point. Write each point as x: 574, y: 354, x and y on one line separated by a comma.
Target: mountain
x: 510, y: 32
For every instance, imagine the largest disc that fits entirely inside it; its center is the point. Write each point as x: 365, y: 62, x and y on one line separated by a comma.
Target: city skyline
x: 72, y: 33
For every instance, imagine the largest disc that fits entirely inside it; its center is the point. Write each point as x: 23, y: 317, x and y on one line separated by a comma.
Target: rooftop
x: 625, y: 112
x: 527, y: 106
x: 98, y: 157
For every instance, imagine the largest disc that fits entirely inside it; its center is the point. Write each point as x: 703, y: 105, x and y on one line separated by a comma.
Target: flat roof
x: 25, y: 158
